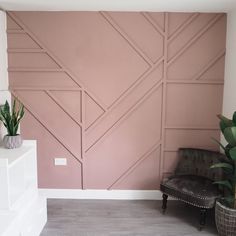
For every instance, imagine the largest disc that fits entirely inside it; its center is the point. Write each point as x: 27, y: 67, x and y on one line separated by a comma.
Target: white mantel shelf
x: 9, y: 157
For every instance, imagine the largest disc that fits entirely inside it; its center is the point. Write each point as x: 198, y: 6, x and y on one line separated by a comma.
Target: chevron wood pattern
x: 116, y: 93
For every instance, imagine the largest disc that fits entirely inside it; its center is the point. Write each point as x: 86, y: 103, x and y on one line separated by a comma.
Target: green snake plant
x: 228, y: 129
x: 11, y: 117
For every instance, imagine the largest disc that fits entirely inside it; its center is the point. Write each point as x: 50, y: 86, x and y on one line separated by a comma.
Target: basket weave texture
x: 225, y: 220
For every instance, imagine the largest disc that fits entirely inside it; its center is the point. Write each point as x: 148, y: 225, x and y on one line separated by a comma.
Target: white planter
x: 11, y: 142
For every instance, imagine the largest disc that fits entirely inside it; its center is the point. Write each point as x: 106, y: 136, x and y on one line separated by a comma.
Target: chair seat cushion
x: 195, y: 190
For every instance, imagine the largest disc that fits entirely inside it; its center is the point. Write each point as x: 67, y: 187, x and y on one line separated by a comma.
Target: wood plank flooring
x: 114, y: 218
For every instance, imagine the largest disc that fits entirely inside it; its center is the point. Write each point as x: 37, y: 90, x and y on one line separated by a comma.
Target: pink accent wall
x: 116, y: 93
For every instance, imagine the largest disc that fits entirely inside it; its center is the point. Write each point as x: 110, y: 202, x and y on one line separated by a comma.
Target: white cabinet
x: 22, y: 211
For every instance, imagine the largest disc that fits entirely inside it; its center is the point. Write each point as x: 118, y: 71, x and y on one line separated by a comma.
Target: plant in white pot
x: 11, y: 120
x: 225, y: 210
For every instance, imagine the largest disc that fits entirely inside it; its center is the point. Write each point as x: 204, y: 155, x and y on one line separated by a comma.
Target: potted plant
x: 11, y: 120
x: 225, y: 210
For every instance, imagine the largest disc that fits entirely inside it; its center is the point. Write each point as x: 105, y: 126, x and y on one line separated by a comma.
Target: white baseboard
x: 101, y: 194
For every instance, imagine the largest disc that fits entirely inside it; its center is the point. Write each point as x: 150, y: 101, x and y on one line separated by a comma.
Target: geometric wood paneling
x: 70, y: 101
x: 116, y: 93
x: 44, y: 79
x: 113, y: 154
x: 16, y: 41
x: 142, y: 33
x: 48, y: 148
x: 31, y: 60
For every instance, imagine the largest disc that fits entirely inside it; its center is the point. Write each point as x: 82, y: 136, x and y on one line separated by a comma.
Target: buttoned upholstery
x: 193, y: 179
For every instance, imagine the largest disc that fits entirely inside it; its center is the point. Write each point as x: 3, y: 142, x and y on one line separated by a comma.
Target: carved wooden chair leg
x: 164, y: 203
x: 203, y: 215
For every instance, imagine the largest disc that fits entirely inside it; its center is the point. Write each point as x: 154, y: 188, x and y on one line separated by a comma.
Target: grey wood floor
x: 111, y: 217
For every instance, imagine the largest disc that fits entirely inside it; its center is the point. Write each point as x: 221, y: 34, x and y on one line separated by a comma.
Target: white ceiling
x: 120, y: 5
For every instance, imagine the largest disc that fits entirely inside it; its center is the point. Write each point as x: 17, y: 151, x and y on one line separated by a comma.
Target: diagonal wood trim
x: 96, y: 120
x: 183, y: 26
x: 127, y: 92
x: 164, y: 95
x: 209, y: 65
x: 95, y: 101
x: 133, y: 45
x: 135, y: 165
x: 48, y: 92
x: 124, y: 116
x: 44, y: 125
x: 153, y: 23
x: 135, y: 83
x: 14, y: 21
x: 195, y: 38
x: 51, y: 55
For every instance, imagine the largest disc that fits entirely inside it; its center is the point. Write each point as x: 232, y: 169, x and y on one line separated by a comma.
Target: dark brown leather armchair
x: 193, y: 180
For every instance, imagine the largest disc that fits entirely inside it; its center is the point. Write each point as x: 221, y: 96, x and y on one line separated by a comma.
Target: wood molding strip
x: 26, y: 50
x: 133, y: 167
x: 83, y: 123
x: 182, y: 27
x: 45, y: 88
x: 139, y: 80
x: 127, y: 92
x: 195, y: 38
x: 124, y: 116
x: 153, y: 23
x: 209, y: 64
x: 45, y: 126
x: 133, y: 45
x: 82, y: 105
x: 192, y: 127
x: 164, y: 95
x: 23, y: 69
x: 16, y: 31
x: 188, y: 81
x: 52, y: 56
x: 48, y: 92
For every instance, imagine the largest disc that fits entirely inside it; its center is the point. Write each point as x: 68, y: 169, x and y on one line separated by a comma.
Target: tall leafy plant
x: 11, y: 117
x: 228, y: 129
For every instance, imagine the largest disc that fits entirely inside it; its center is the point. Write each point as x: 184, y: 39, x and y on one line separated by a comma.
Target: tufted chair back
x: 197, y: 162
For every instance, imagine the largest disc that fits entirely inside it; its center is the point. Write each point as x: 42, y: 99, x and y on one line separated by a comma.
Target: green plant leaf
x: 14, y: 108
x: 6, y: 108
x: 11, y: 118
x: 225, y: 183
x: 230, y: 135
x: 21, y: 112
x: 232, y: 153
x: 223, y: 165
x: 234, y: 118
x: 224, y: 122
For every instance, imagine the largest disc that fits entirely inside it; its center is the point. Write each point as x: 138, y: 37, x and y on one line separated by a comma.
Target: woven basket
x: 225, y: 220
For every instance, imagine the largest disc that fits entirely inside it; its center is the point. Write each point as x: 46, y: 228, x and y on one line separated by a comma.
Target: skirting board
x: 101, y: 194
